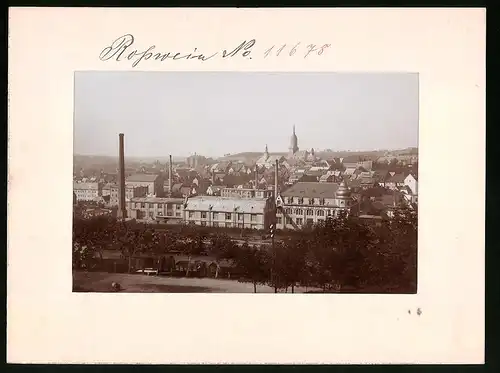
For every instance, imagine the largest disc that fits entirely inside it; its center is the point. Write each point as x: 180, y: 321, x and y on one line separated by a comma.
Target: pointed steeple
x: 293, y: 143
x: 266, y: 153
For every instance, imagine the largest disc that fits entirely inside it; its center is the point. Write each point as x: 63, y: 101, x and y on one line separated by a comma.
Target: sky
x: 216, y: 113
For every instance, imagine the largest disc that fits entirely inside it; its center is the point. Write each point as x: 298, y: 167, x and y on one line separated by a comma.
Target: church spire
x: 266, y: 153
x: 293, y: 143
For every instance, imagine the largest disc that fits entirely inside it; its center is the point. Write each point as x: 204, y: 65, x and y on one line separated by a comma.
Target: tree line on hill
x: 341, y: 254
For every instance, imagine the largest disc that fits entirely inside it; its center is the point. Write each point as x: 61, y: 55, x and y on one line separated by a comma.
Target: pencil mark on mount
x: 119, y: 50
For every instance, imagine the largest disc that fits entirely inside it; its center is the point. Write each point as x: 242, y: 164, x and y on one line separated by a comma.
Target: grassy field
x: 139, y: 283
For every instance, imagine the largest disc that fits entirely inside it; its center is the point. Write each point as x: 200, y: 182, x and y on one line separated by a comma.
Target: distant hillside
x: 245, y: 156
x: 328, y: 154
x: 105, y: 159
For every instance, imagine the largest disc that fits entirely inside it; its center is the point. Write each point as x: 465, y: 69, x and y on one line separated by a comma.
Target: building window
x: 301, y: 201
x: 311, y: 201
x: 289, y: 200
x: 203, y: 215
x: 310, y: 212
x: 254, y: 217
x: 228, y: 216
x: 298, y: 212
x: 288, y: 220
x: 191, y: 214
x: 215, y: 215
x: 228, y: 225
x: 203, y: 223
x: 143, y: 205
x: 310, y: 221
x: 299, y: 221
x: 321, y: 201
x: 278, y: 220
x: 320, y: 213
x: 178, y: 214
x: 240, y: 216
x: 240, y: 226
x: 215, y: 225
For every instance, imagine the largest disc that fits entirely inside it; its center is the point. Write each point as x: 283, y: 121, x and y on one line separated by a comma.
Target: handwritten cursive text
x: 121, y: 49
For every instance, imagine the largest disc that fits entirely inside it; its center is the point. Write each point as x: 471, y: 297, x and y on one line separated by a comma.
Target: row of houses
x: 302, y: 204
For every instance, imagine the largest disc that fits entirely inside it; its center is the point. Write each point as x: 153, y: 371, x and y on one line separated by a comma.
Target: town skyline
x: 254, y: 153
x: 371, y: 105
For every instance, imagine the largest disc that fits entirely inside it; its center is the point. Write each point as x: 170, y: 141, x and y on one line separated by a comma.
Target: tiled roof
x: 397, y: 178
x: 311, y: 189
x: 147, y: 178
x: 156, y: 200
x: 81, y: 186
x: 222, y: 204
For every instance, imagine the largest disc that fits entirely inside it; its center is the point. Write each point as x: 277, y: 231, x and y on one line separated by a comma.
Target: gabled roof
x: 147, y: 178
x: 381, y: 174
x: 414, y: 174
x: 312, y: 190
x: 89, y: 185
x: 156, y: 200
x: 397, y: 178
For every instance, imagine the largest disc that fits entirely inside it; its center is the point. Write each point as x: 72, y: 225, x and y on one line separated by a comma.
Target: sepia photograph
x: 245, y: 182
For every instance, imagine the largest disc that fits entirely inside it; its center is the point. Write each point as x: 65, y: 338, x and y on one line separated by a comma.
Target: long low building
x: 161, y: 210
x: 253, y: 213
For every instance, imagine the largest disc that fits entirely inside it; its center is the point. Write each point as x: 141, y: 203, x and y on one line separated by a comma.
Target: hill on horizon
x: 323, y: 153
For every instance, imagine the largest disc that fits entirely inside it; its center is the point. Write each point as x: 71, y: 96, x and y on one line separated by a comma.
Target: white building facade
x: 154, y: 209
x: 252, y: 213
x: 307, y: 203
x: 87, y: 191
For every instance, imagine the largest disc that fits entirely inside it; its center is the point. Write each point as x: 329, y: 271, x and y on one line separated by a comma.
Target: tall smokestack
x: 170, y: 175
x: 276, y: 180
x: 122, y: 209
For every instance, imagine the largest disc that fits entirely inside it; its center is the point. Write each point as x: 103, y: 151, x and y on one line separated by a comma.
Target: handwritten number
x: 266, y: 53
x: 294, y: 49
x: 311, y: 49
x: 320, y: 52
x: 279, y: 50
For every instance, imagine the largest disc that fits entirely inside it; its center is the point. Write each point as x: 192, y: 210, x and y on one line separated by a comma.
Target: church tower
x: 266, y: 153
x: 293, y: 143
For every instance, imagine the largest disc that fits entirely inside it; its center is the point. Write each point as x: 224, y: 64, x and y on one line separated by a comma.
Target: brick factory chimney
x: 170, y: 175
x: 122, y: 209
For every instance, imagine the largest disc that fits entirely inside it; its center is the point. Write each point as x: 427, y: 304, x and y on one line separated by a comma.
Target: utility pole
x: 273, y: 250
x: 273, y: 225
